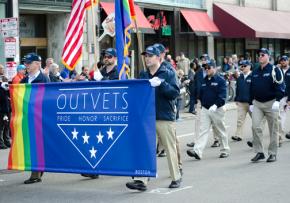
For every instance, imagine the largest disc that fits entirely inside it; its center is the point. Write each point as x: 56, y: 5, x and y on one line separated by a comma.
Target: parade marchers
x: 264, y: 93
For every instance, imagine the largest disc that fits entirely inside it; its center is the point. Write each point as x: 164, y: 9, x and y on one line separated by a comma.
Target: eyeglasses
x: 243, y: 66
x: 108, y: 56
x: 261, y: 55
x: 149, y: 55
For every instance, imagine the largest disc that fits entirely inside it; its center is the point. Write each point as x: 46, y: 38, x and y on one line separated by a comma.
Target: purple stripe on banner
x: 38, y: 127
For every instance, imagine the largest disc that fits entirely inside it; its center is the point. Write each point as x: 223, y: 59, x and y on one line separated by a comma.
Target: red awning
x: 142, y: 21
x: 200, y: 22
x: 245, y: 22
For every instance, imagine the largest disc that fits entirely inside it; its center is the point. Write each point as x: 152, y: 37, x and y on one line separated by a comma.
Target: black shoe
x: 136, y: 185
x: 7, y: 144
x: 92, y: 176
x: 162, y: 153
x: 236, y: 138
x: 287, y: 135
x: 192, y: 153
x: 3, y: 147
x: 32, y: 180
x: 258, y: 157
x: 194, y: 112
x: 190, y: 144
x: 250, y: 144
x: 215, y: 144
x: 175, y: 183
x: 224, y: 155
x: 271, y: 158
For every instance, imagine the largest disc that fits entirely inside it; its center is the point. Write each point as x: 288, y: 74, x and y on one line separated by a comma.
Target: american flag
x: 72, y: 49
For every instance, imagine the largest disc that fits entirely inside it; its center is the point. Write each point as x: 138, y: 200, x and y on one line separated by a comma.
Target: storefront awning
x: 200, y: 22
x: 245, y: 22
x: 142, y: 22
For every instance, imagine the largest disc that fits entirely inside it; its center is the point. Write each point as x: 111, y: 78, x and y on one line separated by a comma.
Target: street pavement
x: 231, y: 180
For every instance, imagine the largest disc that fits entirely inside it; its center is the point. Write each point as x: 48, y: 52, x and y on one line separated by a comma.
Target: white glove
x: 5, y: 118
x: 5, y: 86
x: 275, y: 106
x: 155, y: 82
x: 251, y: 108
x: 212, y: 108
x: 97, y: 75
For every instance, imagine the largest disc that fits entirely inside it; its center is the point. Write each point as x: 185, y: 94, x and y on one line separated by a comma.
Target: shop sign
x: 166, y: 30
x: 108, y: 26
x: 11, y: 69
x: 10, y: 47
x: 252, y: 44
x: 9, y: 27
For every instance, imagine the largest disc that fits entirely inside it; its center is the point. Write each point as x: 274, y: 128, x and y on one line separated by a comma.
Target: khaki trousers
x: 209, y: 119
x: 282, y: 116
x: 243, y: 109
x: 165, y: 131
x: 260, y: 111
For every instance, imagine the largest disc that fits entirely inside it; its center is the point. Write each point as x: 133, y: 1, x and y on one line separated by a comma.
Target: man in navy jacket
x: 212, y: 98
x: 166, y: 91
x: 243, y: 97
x: 33, y: 65
x: 267, y: 89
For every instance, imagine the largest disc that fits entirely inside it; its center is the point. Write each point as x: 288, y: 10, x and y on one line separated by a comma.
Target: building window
x: 219, y: 51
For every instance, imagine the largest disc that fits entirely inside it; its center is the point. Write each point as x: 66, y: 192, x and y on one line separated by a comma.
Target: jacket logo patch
x: 214, y: 84
x: 266, y: 75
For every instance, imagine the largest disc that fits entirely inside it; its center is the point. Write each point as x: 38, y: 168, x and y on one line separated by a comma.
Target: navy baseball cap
x: 264, y: 51
x: 151, y: 50
x: 284, y: 58
x: 29, y: 58
x: 245, y: 63
x: 205, y: 56
x: 111, y: 52
x: 210, y: 63
x: 160, y: 47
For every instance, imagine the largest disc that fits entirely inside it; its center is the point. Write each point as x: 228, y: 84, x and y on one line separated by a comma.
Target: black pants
x: 4, y: 130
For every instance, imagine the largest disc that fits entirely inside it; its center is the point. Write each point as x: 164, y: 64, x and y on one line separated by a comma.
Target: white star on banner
x: 86, y: 138
x: 100, y: 137
x: 110, y: 134
x: 93, y: 152
x: 75, y: 134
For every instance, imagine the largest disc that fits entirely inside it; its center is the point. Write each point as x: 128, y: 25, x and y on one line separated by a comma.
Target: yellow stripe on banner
x: 18, y: 99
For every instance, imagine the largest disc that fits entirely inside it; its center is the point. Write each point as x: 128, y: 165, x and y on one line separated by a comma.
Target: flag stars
x: 93, y: 152
x: 75, y: 134
x: 86, y: 138
x: 100, y: 137
x: 110, y: 134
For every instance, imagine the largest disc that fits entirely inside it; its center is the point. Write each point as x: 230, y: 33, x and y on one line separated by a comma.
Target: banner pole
x: 94, y: 34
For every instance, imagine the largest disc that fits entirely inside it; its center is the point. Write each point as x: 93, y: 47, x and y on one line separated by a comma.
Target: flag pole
x: 94, y: 34
x: 139, y: 42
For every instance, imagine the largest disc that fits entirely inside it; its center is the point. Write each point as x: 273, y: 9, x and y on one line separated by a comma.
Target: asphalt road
x: 231, y: 180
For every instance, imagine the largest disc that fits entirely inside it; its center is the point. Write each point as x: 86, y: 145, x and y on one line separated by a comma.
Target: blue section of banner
x: 100, y: 128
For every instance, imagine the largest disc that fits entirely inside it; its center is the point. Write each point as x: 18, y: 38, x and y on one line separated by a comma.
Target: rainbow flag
x: 27, y: 151
x: 123, y: 25
x: 84, y: 128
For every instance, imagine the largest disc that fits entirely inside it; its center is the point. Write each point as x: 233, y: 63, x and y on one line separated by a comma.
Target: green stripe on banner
x: 25, y: 128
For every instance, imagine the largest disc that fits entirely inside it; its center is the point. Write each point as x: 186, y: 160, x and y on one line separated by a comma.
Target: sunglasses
x: 243, y: 66
x: 149, y: 55
x: 108, y: 56
x: 207, y: 68
x: 261, y: 55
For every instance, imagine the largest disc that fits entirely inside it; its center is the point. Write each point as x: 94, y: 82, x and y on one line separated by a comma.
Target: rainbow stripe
x: 27, y: 151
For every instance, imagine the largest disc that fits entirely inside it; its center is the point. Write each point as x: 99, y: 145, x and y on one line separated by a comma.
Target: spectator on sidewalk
x: 20, y: 74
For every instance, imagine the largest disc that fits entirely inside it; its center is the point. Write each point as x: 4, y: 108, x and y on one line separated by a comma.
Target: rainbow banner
x: 86, y: 127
